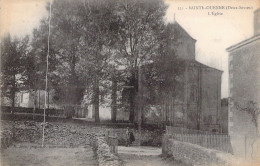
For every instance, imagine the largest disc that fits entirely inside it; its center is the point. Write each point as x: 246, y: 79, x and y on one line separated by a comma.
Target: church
x: 188, y: 97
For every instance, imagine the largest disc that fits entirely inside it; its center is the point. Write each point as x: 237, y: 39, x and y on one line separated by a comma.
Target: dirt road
x: 24, y: 156
x: 144, y: 156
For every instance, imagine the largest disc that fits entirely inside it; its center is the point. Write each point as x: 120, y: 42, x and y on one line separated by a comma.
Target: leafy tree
x: 91, y: 39
x: 35, y: 63
x: 80, y: 38
x: 66, y: 30
x: 96, y: 46
x: 140, y: 27
x: 13, y: 52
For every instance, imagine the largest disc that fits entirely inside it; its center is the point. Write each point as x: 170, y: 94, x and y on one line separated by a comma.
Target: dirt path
x: 24, y: 156
x: 144, y: 156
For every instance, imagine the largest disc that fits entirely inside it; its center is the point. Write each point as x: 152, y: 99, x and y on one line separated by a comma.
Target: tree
x: 31, y: 76
x: 90, y: 38
x: 139, y: 25
x: 98, y: 39
x: 80, y: 38
x: 66, y: 32
x: 114, y: 89
x: 12, y: 53
x: 35, y: 62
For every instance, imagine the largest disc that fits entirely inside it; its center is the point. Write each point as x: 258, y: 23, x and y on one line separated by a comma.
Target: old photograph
x: 130, y: 82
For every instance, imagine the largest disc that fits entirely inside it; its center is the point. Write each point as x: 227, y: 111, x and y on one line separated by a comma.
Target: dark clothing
x: 129, y: 138
x: 132, y: 137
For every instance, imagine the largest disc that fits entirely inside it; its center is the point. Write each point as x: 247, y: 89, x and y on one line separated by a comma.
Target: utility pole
x: 140, y: 103
x: 46, y: 79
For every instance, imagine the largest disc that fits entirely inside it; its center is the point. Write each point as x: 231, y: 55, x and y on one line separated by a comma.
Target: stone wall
x: 192, y: 154
x: 51, y: 111
x: 147, y: 137
x: 59, y: 135
x: 104, y: 155
x: 6, y: 137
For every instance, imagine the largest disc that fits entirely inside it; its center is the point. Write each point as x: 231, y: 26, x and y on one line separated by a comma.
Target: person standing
x: 131, y: 137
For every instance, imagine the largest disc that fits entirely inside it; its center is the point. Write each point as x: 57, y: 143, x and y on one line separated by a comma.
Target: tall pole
x: 46, y: 78
x: 139, y: 104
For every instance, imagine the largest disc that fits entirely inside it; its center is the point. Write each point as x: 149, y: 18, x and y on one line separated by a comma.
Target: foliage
x: 139, y: 23
x: 80, y: 40
x: 90, y: 41
x: 138, y: 39
x: 13, y: 52
x: 252, y: 109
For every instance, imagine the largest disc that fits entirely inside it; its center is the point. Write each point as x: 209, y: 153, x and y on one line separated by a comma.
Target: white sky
x: 213, y: 33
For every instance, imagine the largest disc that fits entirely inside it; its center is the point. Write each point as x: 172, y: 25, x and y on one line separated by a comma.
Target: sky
x: 213, y: 33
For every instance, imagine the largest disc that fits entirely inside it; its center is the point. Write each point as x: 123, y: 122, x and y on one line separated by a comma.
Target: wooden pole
x: 46, y: 78
x: 139, y: 104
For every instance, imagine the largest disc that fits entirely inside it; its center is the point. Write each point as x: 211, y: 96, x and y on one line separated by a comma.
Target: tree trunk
x: 132, y: 107
x: 13, y: 94
x: 114, y: 97
x: 48, y: 99
x: 93, y: 108
x: 96, y: 99
x: 132, y: 98
x: 35, y: 101
x: 39, y: 98
x: 13, y: 102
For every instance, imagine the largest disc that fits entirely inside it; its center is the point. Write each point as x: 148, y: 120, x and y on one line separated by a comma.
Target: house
x: 31, y: 99
x: 36, y: 99
x: 190, y: 98
x: 244, y: 80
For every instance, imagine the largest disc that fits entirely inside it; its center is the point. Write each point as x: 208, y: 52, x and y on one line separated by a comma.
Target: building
x: 192, y: 99
x: 31, y: 99
x: 244, y: 80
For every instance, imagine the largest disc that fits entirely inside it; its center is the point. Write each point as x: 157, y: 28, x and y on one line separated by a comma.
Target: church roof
x: 180, y: 30
x: 202, y: 65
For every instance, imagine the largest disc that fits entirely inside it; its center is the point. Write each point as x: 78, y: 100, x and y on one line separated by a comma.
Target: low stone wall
x: 104, y: 155
x: 6, y: 137
x: 59, y: 135
x: 51, y: 111
x: 147, y: 138
x: 192, y: 154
